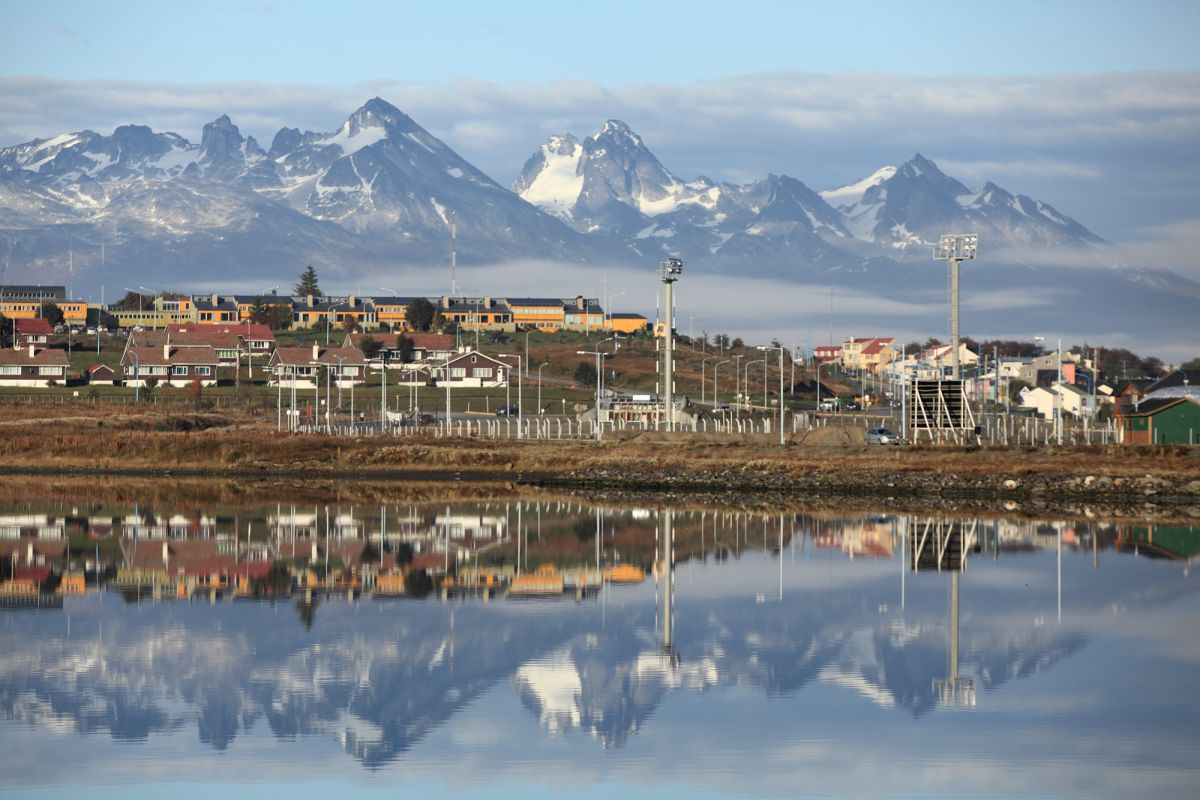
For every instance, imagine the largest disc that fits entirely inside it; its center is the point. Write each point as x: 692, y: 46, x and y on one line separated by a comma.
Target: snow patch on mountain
x: 852, y: 194
x: 555, y: 189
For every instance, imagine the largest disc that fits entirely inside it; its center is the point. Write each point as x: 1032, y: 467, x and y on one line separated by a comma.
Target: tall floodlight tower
x: 955, y: 247
x: 669, y: 272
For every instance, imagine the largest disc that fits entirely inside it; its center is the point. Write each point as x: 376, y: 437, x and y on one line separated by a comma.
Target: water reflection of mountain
x: 379, y: 677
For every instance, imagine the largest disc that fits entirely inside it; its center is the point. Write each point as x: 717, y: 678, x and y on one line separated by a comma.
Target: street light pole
x: 819, y: 365
x: 520, y: 405
x: 542, y: 366
x: 780, y: 349
x: 716, y: 396
x: 955, y: 248
x: 703, y: 362
x: 599, y: 374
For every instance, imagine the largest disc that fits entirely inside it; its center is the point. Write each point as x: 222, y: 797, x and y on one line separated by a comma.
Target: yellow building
x: 159, y: 314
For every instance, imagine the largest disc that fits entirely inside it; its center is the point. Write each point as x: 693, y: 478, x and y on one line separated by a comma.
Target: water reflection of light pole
x: 668, y: 600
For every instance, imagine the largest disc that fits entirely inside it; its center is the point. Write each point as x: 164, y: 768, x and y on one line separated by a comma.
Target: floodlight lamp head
x: 670, y: 270
x: 956, y: 247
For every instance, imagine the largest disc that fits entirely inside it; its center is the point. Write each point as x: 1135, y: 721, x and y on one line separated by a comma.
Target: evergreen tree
x: 53, y: 314
x: 308, y: 283
x: 420, y: 314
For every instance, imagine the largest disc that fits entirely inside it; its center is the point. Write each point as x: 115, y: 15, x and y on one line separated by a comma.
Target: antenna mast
x: 453, y: 253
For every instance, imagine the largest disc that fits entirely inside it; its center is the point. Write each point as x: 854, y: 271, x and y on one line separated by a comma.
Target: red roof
x: 42, y: 358
x: 34, y: 326
x: 247, y: 330
x: 35, y: 574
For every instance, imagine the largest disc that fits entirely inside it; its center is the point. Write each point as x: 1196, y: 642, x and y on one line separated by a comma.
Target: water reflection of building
x: 1175, y: 542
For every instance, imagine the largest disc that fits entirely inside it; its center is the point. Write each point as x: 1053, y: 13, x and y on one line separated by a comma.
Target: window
x: 204, y: 371
x: 458, y: 372
x: 179, y: 370
x: 482, y: 372
x: 50, y: 371
x: 10, y: 370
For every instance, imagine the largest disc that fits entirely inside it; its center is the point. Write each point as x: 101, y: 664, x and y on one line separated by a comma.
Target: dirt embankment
x: 829, y: 462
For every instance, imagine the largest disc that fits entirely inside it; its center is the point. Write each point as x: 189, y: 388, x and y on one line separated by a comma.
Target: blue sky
x: 611, y: 43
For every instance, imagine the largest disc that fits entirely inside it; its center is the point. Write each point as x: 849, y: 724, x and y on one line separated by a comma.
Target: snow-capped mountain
x: 377, y: 192
x: 610, y: 184
x: 911, y: 205
x: 378, y: 189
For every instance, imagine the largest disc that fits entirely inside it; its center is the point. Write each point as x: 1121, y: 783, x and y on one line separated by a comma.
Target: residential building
x: 161, y: 312
x: 537, y: 313
x: 825, y: 353
x: 100, y: 375
x: 392, y: 312
x: 471, y: 369
x: 169, y: 364
x: 477, y: 313
x: 215, y: 308
x: 425, y: 346
x: 1074, y: 400
x: 867, y: 355
x: 941, y: 357
x: 305, y: 366
x: 627, y: 323
x: 28, y: 331
x: 583, y: 314
x: 33, y: 368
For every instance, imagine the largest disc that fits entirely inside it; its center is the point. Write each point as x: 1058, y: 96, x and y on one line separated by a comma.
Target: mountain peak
x: 220, y: 141
x: 618, y: 130
x: 379, y: 113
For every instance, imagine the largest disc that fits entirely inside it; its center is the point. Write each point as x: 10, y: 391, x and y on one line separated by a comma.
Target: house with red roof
x: 868, y: 354
x: 34, y: 331
x: 305, y: 367
x: 169, y: 365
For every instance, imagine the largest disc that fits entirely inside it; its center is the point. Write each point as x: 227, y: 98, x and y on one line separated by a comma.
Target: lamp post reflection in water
x: 668, y: 588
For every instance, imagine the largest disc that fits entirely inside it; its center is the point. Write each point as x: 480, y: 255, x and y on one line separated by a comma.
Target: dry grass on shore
x: 95, y: 437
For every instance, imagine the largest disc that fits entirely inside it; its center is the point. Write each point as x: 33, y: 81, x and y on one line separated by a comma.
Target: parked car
x: 853, y: 405
x: 507, y: 411
x: 829, y: 405
x: 882, y: 436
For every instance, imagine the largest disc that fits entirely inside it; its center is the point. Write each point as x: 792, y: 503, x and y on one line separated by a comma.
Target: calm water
x: 806, y: 658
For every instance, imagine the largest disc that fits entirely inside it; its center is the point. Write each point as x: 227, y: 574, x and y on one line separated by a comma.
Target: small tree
x: 585, y: 373
x: 196, y: 391
x: 280, y: 318
x: 404, y: 348
x: 308, y: 283
x: 260, y: 312
x: 53, y: 314
x: 420, y: 314
x: 370, y: 346
x: 6, y: 332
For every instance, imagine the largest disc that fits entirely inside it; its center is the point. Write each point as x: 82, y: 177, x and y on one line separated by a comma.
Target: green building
x: 1167, y: 420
